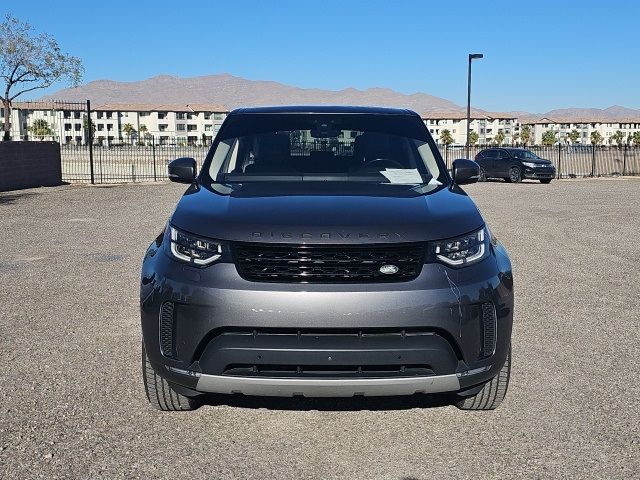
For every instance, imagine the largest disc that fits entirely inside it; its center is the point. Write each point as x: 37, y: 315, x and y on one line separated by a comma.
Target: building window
x: 191, y: 116
x: 66, y: 114
x: 180, y: 116
x: 192, y: 128
x: 99, y: 115
x: 67, y: 127
x: 162, y: 115
x: 76, y: 114
x: 100, y: 127
x: 77, y: 127
x: 207, y: 128
x: 180, y: 127
x: 109, y: 114
x: 218, y: 116
x: 207, y: 115
x: 163, y: 127
x: 109, y: 127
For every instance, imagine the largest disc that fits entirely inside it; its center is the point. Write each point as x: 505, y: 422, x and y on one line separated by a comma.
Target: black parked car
x: 514, y: 165
x: 323, y: 270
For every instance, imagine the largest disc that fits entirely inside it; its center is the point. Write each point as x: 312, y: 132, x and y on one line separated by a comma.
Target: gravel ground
x: 71, y: 397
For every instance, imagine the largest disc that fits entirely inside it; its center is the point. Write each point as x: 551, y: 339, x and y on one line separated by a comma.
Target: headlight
x: 191, y: 249
x: 463, y: 250
x: 530, y: 164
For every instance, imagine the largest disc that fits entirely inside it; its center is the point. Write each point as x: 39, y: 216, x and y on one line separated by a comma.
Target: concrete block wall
x: 29, y: 164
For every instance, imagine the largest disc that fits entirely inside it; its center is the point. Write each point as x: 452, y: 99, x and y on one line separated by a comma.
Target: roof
x: 577, y: 120
x: 325, y: 109
x: 155, y: 107
x: 459, y: 115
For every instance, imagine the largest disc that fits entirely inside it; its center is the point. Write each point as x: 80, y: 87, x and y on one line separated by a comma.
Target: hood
x: 321, y: 212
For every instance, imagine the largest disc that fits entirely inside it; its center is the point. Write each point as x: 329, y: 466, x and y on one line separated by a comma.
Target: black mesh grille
x: 167, y: 344
x: 352, y: 371
x: 488, y: 329
x: 328, y: 263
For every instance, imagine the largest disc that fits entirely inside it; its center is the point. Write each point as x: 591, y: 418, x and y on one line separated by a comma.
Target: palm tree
x: 445, y: 137
x: 87, y: 124
x: 618, y: 137
x: 499, y: 138
x: 549, y: 138
x: 574, y: 135
x: 596, y: 138
x: 40, y: 128
x: 514, y: 138
x: 636, y: 138
x: 143, y: 133
x: 128, y: 129
x: 525, y: 135
x: 473, y: 137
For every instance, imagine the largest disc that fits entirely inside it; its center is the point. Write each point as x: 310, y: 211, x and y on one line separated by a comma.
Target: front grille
x: 488, y: 329
x: 167, y: 343
x: 263, y: 262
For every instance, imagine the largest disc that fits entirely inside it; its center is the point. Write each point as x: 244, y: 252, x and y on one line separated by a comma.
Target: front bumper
x: 539, y: 173
x: 325, y: 387
x: 223, y: 326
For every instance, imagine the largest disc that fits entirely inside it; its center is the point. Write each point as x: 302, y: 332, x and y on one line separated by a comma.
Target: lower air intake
x: 488, y: 329
x: 167, y: 342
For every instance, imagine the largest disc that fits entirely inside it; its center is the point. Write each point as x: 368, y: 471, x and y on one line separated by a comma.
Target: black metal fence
x: 571, y: 161
x: 123, y: 163
x: 86, y: 159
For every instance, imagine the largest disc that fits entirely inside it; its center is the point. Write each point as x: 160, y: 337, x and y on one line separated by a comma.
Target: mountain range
x: 232, y: 92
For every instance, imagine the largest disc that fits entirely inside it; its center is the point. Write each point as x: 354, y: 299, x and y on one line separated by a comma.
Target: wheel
x: 160, y: 394
x: 483, y: 176
x: 545, y: 180
x: 514, y: 175
x: 492, y: 393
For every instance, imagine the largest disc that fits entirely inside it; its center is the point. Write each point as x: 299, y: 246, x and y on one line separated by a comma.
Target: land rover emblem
x: 388, y: 269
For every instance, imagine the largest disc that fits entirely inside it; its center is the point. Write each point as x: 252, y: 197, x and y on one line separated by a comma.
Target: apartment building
x: 118, y: 123
x: 562, y: 127
x: 486, y: 126
x: 198, y: 124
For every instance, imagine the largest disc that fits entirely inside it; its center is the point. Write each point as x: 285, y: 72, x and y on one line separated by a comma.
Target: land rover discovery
x: 325, y: 251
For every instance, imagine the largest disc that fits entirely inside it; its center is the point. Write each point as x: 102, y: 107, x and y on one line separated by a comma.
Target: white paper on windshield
x: 402, y: 175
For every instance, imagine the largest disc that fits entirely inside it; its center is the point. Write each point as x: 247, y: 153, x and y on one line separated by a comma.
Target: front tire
x: 160, y: 394
x: 492, y: 394
x: 545, y: 180
x: 515, y: 175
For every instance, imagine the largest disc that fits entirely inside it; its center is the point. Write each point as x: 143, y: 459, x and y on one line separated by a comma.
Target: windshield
x: 324, y: 147
x: 524, y: 154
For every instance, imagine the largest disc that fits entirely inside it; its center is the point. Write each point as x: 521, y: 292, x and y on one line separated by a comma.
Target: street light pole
x: 472, y: 56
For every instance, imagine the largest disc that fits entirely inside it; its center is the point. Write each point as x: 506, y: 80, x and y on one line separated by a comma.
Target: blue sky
x: 538, y: 55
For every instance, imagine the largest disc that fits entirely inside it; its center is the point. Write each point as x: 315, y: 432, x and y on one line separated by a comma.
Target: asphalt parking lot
x: 72, y: 403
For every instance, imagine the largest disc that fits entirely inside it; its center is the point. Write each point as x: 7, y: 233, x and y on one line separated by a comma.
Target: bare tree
x: 29, y: 62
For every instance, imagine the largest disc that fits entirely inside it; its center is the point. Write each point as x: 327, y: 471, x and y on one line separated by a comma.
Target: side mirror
x: 465, y: 171
x: 182, y: 170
